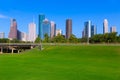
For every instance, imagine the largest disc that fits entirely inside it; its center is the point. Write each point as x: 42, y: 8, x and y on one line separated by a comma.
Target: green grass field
x: 63, y: 63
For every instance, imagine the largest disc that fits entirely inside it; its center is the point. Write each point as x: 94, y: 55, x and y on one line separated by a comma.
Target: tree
x: 14, y: 41
x: 106, y: 38
x: 38, y: 40
x: 83, y: 40
x: 99, y: 38
x: 46, y: 38
x: 4, y: 40
x: 113, y: 37
x: 73, y: 39
x: 59, y: 39
x: 118, y: 39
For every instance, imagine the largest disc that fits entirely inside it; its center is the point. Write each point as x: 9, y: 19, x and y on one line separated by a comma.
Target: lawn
x: 63, y: 63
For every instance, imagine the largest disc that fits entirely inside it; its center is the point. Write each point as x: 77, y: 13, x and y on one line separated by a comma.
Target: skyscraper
x: 105, y: 26
x: 113, y: 29
x: 68, y: 28
x: 41, y: 18
x: 46, y: 26
x: 32, y: 32
x: 13, y: 30
x: 19, y: 35
x: 53, y: 29
x: 93, y: 30
x: 23, y: 36
x: 87, y: 29
x: 2, y: 35
x: 83, y: 33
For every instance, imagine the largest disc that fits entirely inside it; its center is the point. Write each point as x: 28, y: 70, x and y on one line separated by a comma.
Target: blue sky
x: 58, y: 11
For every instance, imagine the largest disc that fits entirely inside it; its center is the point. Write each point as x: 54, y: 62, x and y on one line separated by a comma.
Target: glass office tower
x: 46, y: 28
x: 41, y: 18
x: 93, y: 30
x: 87, y: 29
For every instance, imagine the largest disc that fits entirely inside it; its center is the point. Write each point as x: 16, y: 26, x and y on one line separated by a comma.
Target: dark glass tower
x: 87, y: 30
x: 41, y: 18
x: 93, y: 30
x: 68, y: 28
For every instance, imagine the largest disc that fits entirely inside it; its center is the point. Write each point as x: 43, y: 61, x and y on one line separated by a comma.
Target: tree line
x: 103, y: 38
x: 98, y: 38
x: 6, y: 40
x: 58, y: 39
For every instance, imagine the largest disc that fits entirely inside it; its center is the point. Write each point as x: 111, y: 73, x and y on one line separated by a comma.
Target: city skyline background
x: 80, y: 11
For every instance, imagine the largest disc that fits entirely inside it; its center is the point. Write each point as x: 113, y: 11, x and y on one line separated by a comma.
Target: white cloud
x: 3, y: 16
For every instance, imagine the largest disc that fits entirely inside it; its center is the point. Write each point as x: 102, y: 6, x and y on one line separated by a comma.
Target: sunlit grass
x: 63, y: 63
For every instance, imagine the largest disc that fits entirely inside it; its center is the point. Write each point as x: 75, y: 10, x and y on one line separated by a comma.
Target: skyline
x: 79, y: 11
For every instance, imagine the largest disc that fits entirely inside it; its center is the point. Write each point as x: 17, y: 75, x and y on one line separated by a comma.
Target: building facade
x: 2, y: 35
x: 113, y: 29
x: 93, y: 30
x: 23, y: 37
x: 68, y: 28
x: 105, y: 26
x: 46, y: 28
x: 19, y: 35
x: 87, y: 29
x: 83, y: 33
x: 58, y: 31
x: 53, y: 30
x: 32, y: 32
x: 13, y: 30
x: 41, y: 18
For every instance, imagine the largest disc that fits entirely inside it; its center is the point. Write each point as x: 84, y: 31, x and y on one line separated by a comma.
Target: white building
x: 105, y: 26
x: 113, y: 29
x: 23, y: 36
x: 59, y: 31
x: 2, y: 35
x: 53, y: 29
x: 32, y: 32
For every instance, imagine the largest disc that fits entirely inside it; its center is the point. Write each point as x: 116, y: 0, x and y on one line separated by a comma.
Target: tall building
x: 19, y: 35
x: 59, y: 31
x: 93, y: 30
x: 41, y: 18
x: 23, y: 36
x: 68, y: 28
x: 83, y: 33
x: 2, y: 35
x: 113, y: 29
x: 53, y: 29
x: 32, y: 32
x: 46, y: 28
x: 87, y: 29
x: 105, y: 26
x: 13, y: 30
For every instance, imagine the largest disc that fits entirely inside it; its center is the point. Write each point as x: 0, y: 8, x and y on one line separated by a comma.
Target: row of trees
x: 99, y: 38
x: 58, y: 39
x: 6, y: 40
x: 103, y: 38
